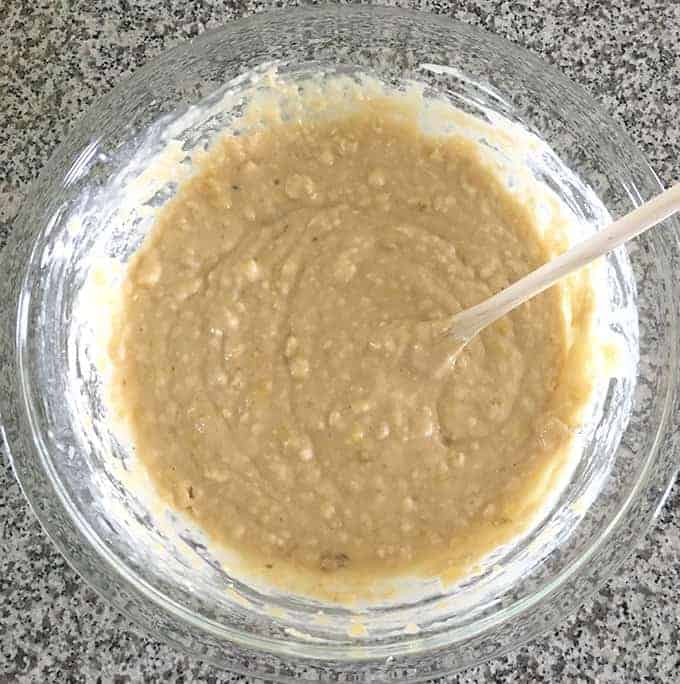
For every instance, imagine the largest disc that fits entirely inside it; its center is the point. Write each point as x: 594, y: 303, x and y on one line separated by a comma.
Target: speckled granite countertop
x: 56, y: 57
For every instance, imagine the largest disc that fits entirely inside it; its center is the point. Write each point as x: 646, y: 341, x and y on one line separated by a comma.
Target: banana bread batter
x: 273, y: 385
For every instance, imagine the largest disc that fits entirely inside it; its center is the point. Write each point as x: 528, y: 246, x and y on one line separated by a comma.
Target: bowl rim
x: 305, y: 651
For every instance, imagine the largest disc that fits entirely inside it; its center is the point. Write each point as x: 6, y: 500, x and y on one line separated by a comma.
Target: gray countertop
x: 56, y: 56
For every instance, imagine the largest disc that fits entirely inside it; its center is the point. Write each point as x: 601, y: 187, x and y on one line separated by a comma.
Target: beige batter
x: 268, y: 363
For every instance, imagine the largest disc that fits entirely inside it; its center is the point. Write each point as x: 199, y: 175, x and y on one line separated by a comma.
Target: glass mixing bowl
x: 69, y: 464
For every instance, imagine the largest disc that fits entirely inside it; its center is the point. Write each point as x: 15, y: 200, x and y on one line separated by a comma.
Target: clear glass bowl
x: 63, y: 451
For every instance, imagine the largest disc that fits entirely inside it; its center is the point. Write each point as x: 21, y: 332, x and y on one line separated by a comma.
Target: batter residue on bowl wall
x: 267, y: 361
